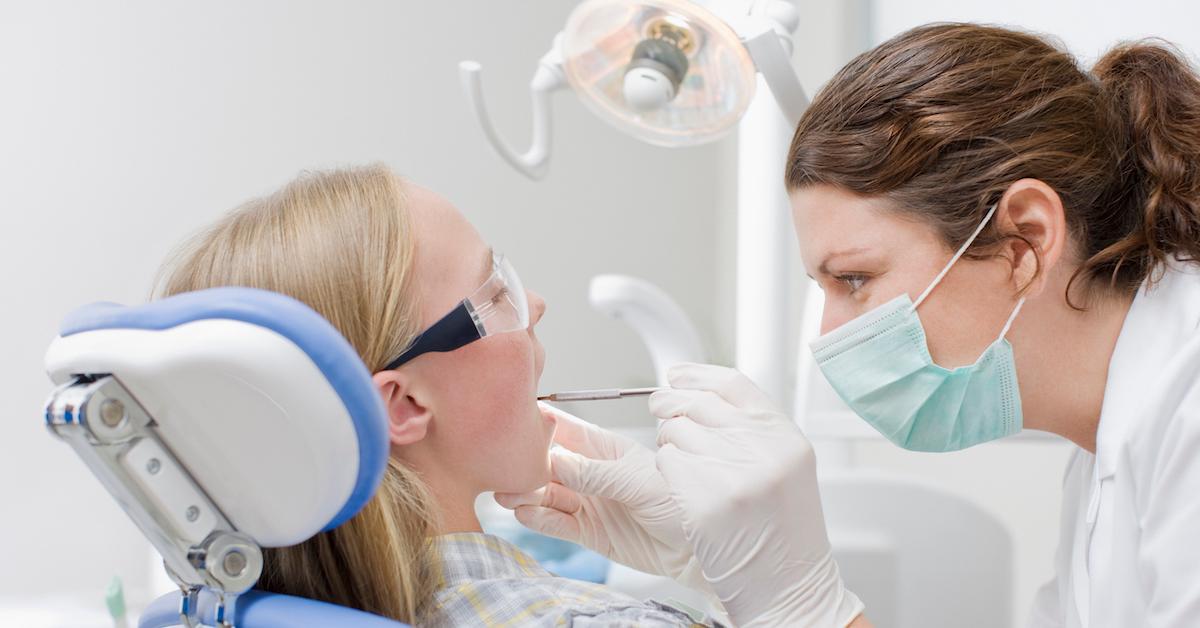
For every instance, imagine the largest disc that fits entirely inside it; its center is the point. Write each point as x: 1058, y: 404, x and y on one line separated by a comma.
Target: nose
x: 831, y: 318
x: 537, y: 307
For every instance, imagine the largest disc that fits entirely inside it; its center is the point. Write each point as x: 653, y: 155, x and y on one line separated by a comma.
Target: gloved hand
x: 607, y: 494
x: 745, y: 478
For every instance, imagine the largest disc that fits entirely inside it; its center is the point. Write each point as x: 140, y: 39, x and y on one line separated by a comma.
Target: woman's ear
x: 1033, y: 210
x: 408, y: 420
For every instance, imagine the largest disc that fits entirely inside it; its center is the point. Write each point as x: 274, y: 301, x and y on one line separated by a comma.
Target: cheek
x: 837, y: 312
x: 504, y: 375
x: 494, y: 413
x: 965, y: 313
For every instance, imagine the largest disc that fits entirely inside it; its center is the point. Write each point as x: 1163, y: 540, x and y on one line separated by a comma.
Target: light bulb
x: 647, y: 89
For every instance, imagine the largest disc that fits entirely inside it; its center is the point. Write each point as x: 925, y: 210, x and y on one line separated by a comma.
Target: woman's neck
x: 1062, y: 364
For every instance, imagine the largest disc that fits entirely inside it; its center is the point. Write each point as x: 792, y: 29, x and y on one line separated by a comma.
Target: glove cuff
x: 849, y: 608
x: 819, y: 599
x: 693, y: 578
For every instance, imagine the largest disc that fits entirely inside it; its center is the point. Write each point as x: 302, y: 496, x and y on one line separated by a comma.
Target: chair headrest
x: 260, y: 398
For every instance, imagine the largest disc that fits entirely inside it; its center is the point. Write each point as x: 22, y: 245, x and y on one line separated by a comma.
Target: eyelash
x: 850, y: 279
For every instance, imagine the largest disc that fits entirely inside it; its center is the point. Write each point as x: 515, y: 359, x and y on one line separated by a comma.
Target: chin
x: 528, y: 482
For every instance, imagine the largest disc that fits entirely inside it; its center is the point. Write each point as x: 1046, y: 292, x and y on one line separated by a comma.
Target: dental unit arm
x: 222, y: 421
x: 753, y: 35
x: 658, y: 320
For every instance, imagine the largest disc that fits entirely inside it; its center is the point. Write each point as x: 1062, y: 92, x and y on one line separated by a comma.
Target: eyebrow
x: 824, y: 267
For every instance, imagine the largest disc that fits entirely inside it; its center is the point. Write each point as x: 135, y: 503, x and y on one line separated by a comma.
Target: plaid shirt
x: 487, y: 581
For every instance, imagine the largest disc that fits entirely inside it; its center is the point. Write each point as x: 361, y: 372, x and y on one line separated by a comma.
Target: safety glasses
x: 499, y: 305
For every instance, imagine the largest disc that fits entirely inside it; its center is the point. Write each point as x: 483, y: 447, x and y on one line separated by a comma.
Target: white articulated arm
x: 657, y: 319
x: 775, y: 64
x: 548, y: 77
x: 766, y: 32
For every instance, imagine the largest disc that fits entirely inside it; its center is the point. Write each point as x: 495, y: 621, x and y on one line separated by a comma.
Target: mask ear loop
x: 1011, y: 317
x: 962, y: 249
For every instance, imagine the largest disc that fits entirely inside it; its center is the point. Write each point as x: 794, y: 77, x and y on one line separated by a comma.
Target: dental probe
x: 604, y: 393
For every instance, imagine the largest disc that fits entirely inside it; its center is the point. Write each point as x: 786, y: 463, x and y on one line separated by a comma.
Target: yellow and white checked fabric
x: 487, y: 581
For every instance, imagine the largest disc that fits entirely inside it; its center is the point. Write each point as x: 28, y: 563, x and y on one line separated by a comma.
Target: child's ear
x: 408, y: 420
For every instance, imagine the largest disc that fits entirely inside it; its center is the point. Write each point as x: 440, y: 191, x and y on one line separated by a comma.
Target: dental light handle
x: 773, y: 59
x: 548, y: 77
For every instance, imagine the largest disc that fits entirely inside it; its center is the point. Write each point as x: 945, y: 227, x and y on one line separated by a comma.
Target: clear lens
x: 500, y: 304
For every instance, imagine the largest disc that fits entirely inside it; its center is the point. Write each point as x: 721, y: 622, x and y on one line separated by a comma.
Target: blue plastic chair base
x: 259, y: 609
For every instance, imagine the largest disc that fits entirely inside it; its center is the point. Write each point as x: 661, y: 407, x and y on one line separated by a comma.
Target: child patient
x: 385, y: 260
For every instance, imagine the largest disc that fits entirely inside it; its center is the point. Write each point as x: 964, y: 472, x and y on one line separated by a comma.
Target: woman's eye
x: 852, y: 281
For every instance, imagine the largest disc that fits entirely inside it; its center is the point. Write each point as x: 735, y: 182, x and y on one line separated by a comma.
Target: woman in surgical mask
x: 1006, y: 241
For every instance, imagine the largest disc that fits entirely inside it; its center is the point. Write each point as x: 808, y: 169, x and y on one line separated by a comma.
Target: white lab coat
x: 1129, y: 546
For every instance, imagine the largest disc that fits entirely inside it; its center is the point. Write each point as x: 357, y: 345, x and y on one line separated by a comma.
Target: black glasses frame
x: 452, y: 331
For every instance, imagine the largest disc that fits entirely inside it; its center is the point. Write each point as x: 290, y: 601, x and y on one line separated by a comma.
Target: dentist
x: 1005, y: 241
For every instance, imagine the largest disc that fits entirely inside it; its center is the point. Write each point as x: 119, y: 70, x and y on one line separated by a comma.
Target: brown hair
x: 943, y: 118
x: 339, y: 241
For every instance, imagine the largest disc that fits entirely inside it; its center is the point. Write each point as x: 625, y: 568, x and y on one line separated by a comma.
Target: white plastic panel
x: 244, y: 410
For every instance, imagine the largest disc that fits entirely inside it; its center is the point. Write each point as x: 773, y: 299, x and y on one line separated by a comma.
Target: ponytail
x: 1154, y: 97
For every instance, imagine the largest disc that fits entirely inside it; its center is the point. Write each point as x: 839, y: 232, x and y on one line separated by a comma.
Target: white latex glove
x: 745, y: 478
x: 607, y: 494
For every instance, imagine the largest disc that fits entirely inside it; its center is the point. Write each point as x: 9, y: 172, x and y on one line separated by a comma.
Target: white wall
x: 126, y: 126
x: 1087, y: 27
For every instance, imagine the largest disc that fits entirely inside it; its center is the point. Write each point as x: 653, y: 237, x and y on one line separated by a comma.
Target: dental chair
x: 223, y: 421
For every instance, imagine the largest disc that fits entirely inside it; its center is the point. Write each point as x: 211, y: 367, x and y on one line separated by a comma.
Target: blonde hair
x: 341, y: 242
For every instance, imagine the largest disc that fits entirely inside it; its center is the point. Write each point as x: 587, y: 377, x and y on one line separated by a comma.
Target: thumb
x: 549, y: 521
x: 620, y: 480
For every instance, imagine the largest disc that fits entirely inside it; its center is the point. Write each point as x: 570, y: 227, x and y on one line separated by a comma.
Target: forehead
x: 830, y: 220
x: 451, y: 257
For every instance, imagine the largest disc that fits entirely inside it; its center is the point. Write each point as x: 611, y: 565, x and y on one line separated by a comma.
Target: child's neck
x: 455, y: 507
x: 459, y: 519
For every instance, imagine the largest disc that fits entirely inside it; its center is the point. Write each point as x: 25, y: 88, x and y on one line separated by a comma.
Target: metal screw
x: 234, y: 563
x: 193, y: 513
x: 153, y: 466
x: 112, y: 412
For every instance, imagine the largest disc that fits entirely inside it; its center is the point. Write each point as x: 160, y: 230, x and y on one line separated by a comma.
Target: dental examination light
x: 682, y: 73
x: 669, y: 72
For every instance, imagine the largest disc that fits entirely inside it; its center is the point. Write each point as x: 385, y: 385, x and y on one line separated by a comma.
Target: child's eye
x: 853, y: 282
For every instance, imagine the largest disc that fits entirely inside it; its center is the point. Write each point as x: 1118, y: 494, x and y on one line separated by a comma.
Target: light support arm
x: 548, y: 77
x: 774, y: 62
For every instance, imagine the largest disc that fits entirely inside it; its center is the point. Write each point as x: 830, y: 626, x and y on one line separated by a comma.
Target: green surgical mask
x: 879, y: 364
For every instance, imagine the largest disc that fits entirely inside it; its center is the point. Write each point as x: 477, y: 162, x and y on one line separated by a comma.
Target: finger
x: 549, y: 521
x: 702, y: 406
x: 677, y: 467
x: 617, y: 480
x: 688, y: 435
x: 583, y: 437
x: 513, y: 500
x: 552, y: 495
x: 730, y: 384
